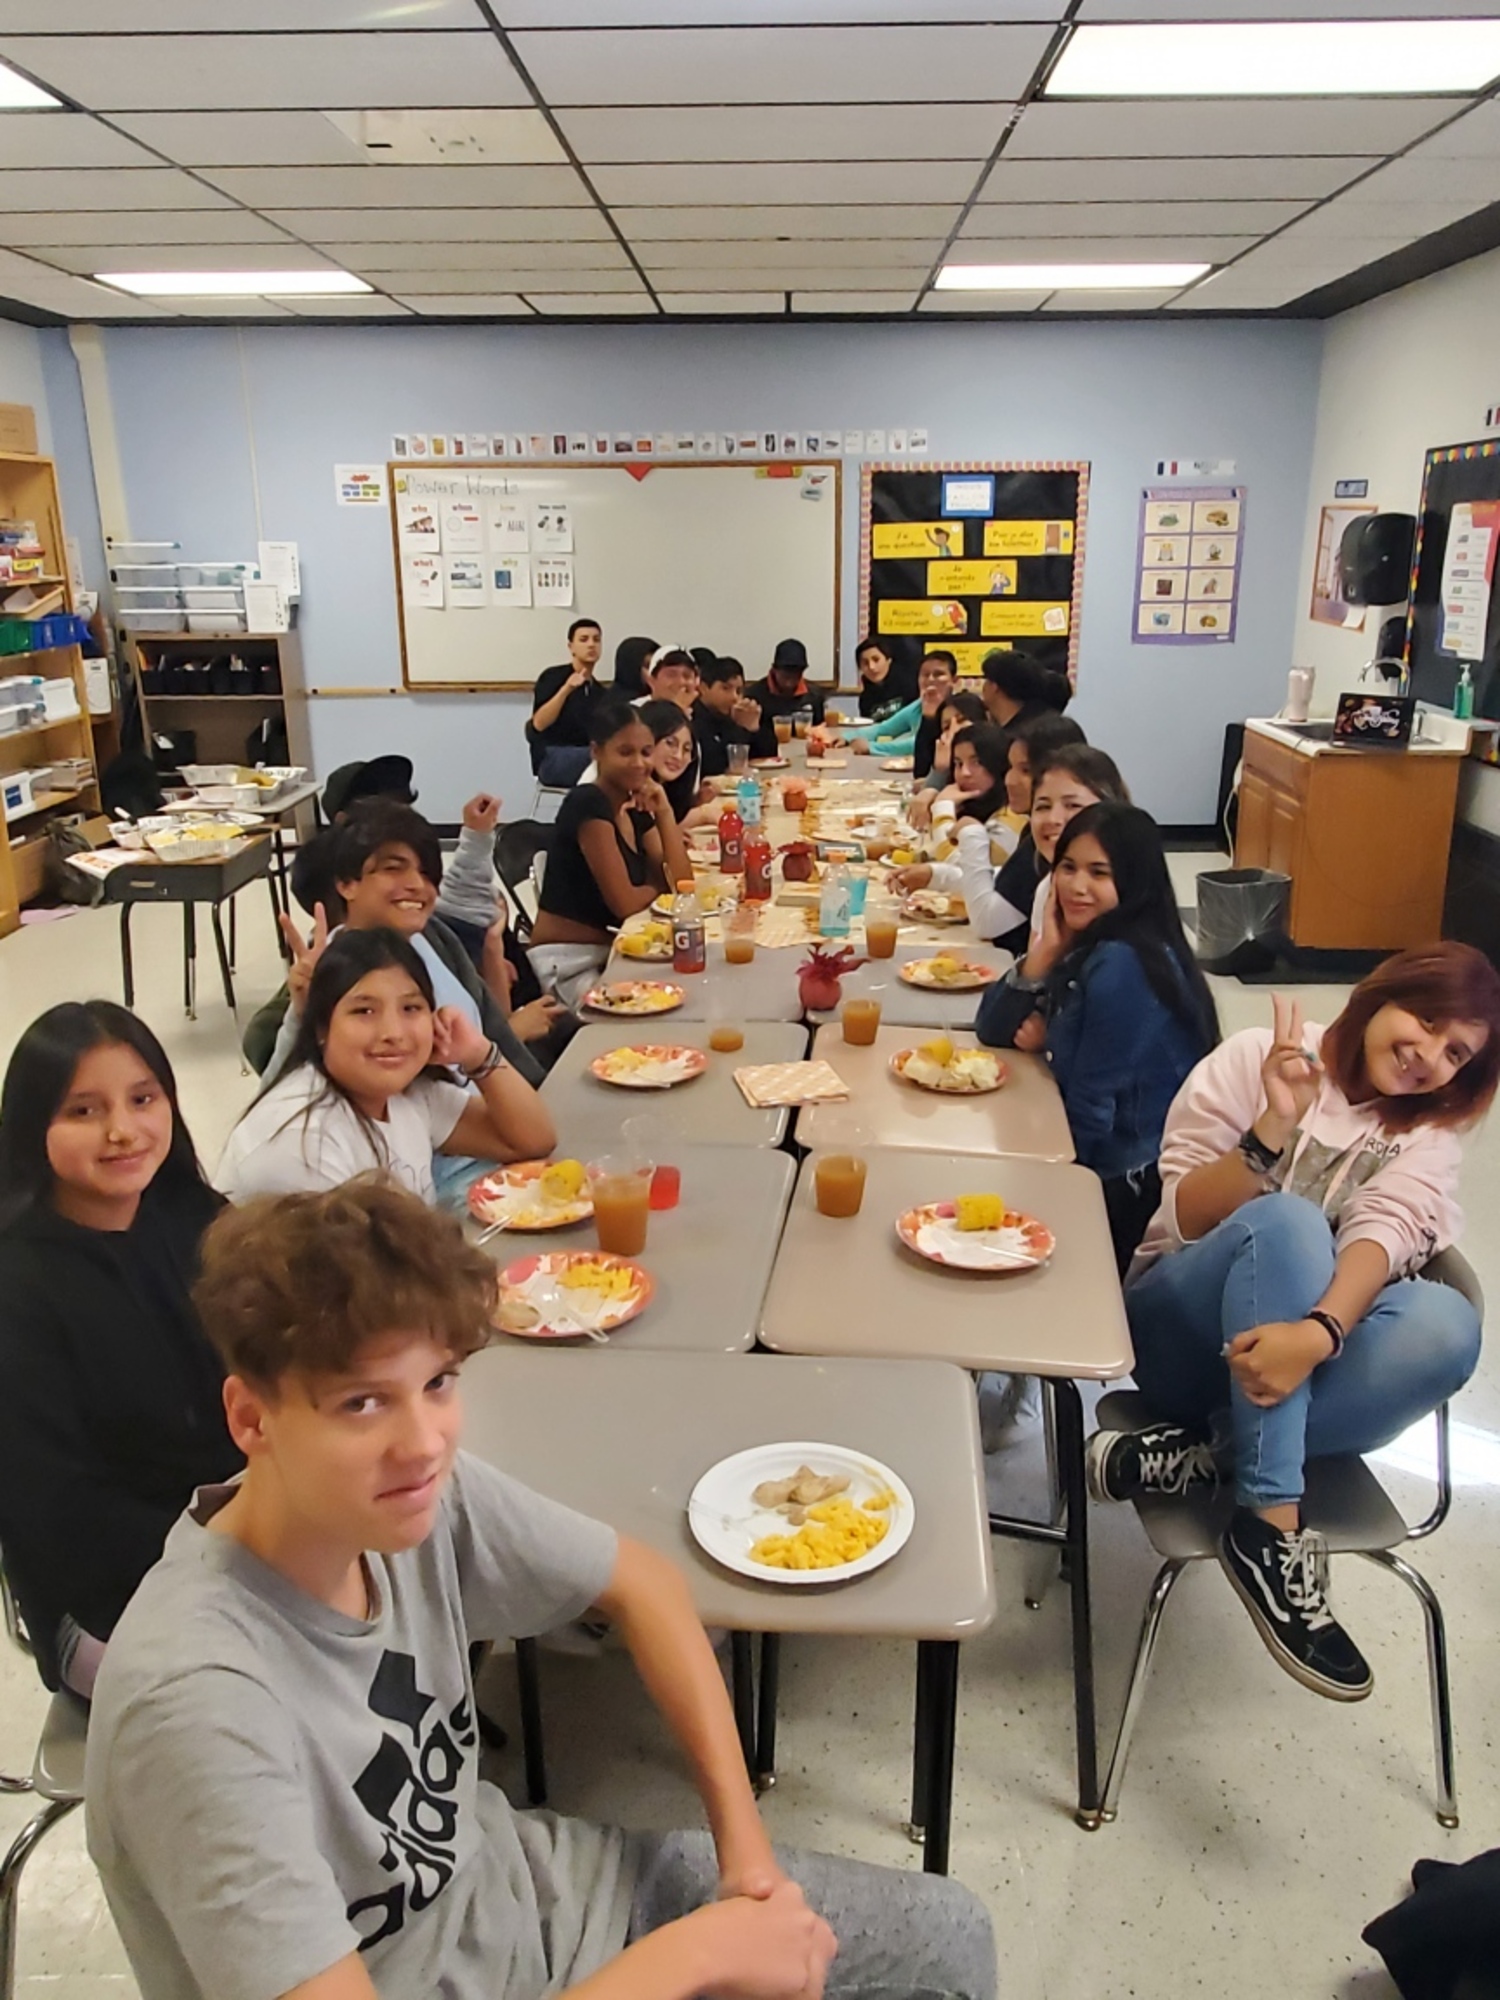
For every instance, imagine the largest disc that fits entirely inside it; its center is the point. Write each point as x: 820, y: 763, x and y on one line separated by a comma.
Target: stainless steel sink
x: 1319, y: 732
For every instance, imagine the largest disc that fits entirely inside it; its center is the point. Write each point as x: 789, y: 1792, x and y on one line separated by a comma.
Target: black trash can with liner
x: 1241, y: 919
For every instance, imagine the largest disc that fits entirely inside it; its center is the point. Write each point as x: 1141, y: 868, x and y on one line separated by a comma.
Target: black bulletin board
x: 969, y: 583
x: 1451, y: 474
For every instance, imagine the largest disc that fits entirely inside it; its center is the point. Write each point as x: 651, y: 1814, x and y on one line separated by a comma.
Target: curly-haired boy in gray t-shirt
x: 283, y: 1790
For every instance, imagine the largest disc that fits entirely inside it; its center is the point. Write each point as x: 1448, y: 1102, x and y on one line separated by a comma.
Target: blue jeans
x: 563, y: 764
x: 1273, y: 1260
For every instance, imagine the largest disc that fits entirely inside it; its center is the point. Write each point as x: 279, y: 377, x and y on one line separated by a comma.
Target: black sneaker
x: 1126, y: 1465
x: 1282, y: 1580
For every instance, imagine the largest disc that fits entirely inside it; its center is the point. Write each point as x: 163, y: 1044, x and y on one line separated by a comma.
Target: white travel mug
x: 1299, y: 687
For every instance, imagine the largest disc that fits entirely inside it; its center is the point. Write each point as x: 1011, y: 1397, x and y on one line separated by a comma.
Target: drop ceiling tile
x: 777, y: 181
x: 402, y: 187
x: 1420, y: 178
x: 444, y: 225
x: 231, y: 309
x: 1302, y: 177
x: 1189, y: 127
x: 209, y: 72
x: 365, y: 306
x: 1128, y: 218
x: 786, y: 132
x: 278, y: 256
x: 121, y: 226
x: 72, y: 298
x: 592, y: 305
x: 505, y: 277
x: 771, y: 277
x: 1116, y: 302
x: 711, y: 65
x: 167, y: 17
x: 722, y: 302
x: 87, y: 262
x: 64, y: 139
x: 1157, y: 249
x: 1243, y: 290
x: 244, y: 138
x: 1348, y: 217
x: 370, y: 259
x: 801, y: 254
x: 753, y: 13
x: 878, y: 220
x: 986, y: 305
x: 465, y: 305
x: 854, y: 302
x: 42, y: 189
x: 1475, y: 135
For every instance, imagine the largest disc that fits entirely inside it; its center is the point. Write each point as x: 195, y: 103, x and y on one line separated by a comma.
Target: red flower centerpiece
x: 820, y: 977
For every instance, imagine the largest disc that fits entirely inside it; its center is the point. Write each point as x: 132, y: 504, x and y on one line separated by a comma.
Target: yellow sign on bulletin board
x: 1028, y: 538
x: 891, y: 540
x: 971, y: 655
x: 1023, y: 621
x: 972, y: 579
x: 922, y: 615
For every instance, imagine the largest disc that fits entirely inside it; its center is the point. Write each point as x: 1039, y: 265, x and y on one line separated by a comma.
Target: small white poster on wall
x: 416, y: 525
x: 508, y: 528
x: 422, y: 582
x: 553, y: 578
x: 465, y: 584
x: 510, y: 581
x: 359, y: 485
x: 463, y: 528
x: 552, y: 533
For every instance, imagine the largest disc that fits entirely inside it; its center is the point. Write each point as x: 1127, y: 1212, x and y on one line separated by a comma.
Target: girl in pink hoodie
x: 1308, y: 1174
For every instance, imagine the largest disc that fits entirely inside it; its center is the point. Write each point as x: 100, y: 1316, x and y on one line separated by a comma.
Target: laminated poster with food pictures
x: 1188, y: 566
x: 975, y: 555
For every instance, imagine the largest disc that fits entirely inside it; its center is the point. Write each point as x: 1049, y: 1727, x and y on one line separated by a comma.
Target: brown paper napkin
x: 763, y: 1085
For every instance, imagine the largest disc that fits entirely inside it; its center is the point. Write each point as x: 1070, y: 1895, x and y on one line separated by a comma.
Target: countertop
x: 1287, y: 734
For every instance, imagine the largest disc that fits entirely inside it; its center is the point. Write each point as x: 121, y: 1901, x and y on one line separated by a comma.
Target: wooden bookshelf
x: 28, y: 492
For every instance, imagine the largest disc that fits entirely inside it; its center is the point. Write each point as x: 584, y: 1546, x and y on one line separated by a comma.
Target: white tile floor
x: 1260, y: 1828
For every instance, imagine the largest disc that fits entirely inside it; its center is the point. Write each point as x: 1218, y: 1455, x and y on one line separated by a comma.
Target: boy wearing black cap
x: 785, y: 689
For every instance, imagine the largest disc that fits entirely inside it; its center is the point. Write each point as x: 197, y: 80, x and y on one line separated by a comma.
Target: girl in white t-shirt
x: 369, y: 1084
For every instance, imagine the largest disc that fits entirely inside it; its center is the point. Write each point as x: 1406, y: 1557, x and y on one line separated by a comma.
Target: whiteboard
x: 719, y: 555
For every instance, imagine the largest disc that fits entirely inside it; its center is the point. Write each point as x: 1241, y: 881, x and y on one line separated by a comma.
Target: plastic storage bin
x: 1242, y: 919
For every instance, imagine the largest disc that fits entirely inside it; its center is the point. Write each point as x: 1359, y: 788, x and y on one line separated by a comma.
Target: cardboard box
x: 17, y: 427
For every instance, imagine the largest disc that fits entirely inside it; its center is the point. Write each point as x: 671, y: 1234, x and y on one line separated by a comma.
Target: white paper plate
x: 726, y: 1522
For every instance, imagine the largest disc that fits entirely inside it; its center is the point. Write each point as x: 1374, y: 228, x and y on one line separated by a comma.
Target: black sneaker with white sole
x: 1282, y: 1581
x: 1166, y: 1460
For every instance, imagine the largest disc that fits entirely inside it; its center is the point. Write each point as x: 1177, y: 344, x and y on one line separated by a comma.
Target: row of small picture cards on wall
x: 660, y: 444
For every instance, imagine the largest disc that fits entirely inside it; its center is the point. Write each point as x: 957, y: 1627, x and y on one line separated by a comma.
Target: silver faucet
x: 1388, y: 668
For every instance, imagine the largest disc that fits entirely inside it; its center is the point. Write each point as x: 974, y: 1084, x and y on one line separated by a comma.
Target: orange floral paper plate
x: 963, y: 977
x: 511, y: 1197
x: 1020, y: 1244
x: 634, y: 996
x: 649, y: 1065
x: 549, y: 1296
x: 953, y: 1080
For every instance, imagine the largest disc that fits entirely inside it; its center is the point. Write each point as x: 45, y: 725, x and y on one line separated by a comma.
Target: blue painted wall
x: 227, y: 433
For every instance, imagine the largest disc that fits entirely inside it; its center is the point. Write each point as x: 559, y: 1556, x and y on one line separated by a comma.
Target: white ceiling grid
x: 692, y: 157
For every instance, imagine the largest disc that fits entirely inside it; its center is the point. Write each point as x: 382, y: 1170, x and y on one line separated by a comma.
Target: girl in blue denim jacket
x: 1111, y: 992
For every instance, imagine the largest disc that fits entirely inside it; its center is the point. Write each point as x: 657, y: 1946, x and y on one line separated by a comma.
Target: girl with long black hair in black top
x: 110, y: 1395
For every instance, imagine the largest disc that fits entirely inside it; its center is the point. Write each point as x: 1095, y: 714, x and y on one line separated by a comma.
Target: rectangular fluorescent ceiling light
x: 18, y: 93
x: 233, y: 284
x: 1067, y: 277
x: 1277, y: 59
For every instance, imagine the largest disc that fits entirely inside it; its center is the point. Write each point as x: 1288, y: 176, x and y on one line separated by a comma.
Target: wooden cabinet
x: 217, y: 690
x: 28, y: 492
x: 1364, y: 835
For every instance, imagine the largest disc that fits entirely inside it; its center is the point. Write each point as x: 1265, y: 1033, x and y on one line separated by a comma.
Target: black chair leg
x: 533, y: 1750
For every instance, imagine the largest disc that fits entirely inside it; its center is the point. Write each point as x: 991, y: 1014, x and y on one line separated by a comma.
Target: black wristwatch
x: 1257, y: 1155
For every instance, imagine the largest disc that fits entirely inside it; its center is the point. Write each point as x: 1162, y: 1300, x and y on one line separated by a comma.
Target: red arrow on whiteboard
x: 636, y: 469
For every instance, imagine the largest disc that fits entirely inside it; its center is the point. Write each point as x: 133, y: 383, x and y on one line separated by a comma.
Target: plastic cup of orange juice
x: 839, y: 1184
x: 621, y: 1192
x: 861, y: 1019
x: 880, y: 936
